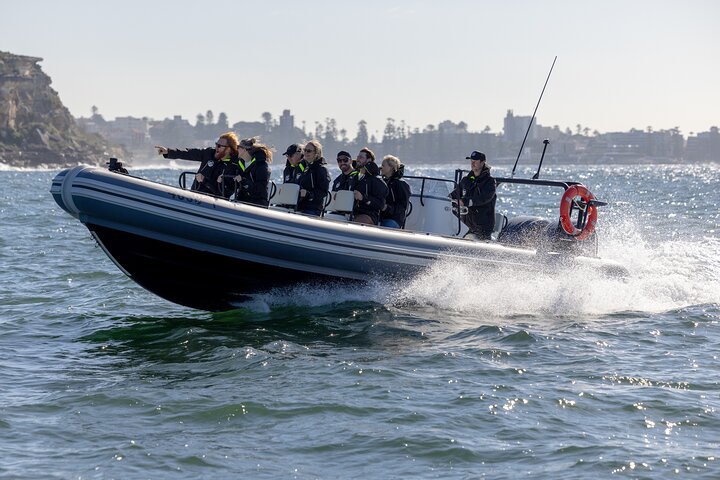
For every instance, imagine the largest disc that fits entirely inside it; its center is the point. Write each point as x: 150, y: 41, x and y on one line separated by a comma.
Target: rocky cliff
x: 35, y: 127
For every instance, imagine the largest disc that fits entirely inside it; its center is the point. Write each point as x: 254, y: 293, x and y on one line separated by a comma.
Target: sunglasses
x: 308, y: 150
x: 220, y: 145
x: 343, y: 160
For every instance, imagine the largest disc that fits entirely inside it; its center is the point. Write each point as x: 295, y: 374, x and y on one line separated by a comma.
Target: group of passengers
x: 242, y: 168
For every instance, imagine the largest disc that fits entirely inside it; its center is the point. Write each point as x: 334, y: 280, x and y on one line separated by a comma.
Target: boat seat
x: 286, y: 197
x: 501, y: 222
x: 341, y: 204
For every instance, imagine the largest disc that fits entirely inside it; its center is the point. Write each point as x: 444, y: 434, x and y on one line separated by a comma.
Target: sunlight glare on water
x: 455, y: 373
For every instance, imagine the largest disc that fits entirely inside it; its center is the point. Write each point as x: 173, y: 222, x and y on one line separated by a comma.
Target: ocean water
x: 453, y: 374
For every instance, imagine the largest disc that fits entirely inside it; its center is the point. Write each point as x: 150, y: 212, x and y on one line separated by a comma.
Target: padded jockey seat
x: 286, y: 197
x: 341, y: 204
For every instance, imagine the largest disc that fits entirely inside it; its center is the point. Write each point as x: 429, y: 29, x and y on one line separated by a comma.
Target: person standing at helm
x: 214, y: 163
x: 254, y: 172
x: 314, y: 182
x: 295, y: 165
x: 476, y: 191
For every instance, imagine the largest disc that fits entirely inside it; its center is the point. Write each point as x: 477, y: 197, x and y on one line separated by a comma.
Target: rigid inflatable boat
x: 210, y: 253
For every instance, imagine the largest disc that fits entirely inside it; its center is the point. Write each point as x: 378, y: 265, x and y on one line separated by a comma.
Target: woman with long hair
x: 314, y: 182
x: 254, y: 172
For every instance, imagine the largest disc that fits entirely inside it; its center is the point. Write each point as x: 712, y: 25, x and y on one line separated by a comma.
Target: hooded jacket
x: 316, y: 180
x: 292, y: 174
x: 253, y: 187
x: 210, y: 168
x: 342, y: 181
x: 374, y: 193
x: 398, y: 197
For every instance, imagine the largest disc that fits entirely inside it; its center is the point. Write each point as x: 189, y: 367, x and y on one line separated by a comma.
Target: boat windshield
x: 430, y: 187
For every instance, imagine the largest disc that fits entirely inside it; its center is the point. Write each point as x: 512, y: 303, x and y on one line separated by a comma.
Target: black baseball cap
x: 475, y: 155
x: 293, y: 149
x: 343, y: 153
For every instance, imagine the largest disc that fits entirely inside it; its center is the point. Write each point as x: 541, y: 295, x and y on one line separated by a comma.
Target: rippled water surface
x: 454, y: 374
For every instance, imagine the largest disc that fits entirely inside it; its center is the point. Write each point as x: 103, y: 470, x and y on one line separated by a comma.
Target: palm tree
x: 362, y: 135
x: 267, y: 120
x: 222, y: 120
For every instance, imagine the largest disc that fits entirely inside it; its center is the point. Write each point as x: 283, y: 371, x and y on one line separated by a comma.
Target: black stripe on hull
x: 196, y: 279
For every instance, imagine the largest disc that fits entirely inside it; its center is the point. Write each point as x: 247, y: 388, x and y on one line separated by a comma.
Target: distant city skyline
x: 434, y: 144
x: 309, y: 126
x: 621, y: 65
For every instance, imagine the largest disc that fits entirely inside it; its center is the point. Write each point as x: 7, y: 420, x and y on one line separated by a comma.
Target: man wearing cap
x: 345, y: 164
x: 295, y: 165
x: 476, y: 191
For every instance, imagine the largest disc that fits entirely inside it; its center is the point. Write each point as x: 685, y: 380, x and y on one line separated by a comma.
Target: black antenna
x: 537, y: 174
x: 533, y: 118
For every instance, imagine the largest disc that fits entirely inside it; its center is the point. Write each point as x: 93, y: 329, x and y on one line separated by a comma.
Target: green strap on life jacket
x: 243, y: 167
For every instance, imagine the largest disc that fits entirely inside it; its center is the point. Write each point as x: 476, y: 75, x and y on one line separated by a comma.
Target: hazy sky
x: 621, y: 64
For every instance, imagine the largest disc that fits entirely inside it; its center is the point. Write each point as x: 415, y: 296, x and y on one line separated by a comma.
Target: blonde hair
x: 318, y: 148
x: 393, y: 161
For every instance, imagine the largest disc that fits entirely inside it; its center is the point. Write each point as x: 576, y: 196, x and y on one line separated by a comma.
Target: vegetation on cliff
x: 35, y: 127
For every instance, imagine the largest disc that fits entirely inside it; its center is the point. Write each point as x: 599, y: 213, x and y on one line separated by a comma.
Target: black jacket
x: 397, y: 199
x: 253, y: 188
x: 342, y: 181
x: 478, y: 194
x: 210, y: 168
x: 316, y: 180
x: 374, y: 193
x: 292, y: 174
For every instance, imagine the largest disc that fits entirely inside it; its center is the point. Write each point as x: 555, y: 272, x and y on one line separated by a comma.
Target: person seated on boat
x: 393, y: 213
x: 476, y: 191
x: 345, y: 164
x: 314, y: 182
x: 214, y: 163
x: 369, y: 189
x: 253, y: 172
x: 364, y: 155
x: 294, y: 165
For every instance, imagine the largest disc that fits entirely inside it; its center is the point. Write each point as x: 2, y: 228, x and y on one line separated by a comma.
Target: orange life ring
x: 566, y: 208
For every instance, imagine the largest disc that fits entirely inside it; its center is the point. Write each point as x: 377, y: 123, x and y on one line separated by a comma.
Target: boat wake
x: 667, y: 275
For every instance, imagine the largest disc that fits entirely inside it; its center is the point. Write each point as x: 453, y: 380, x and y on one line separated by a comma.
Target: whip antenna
x: 533, y: 118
